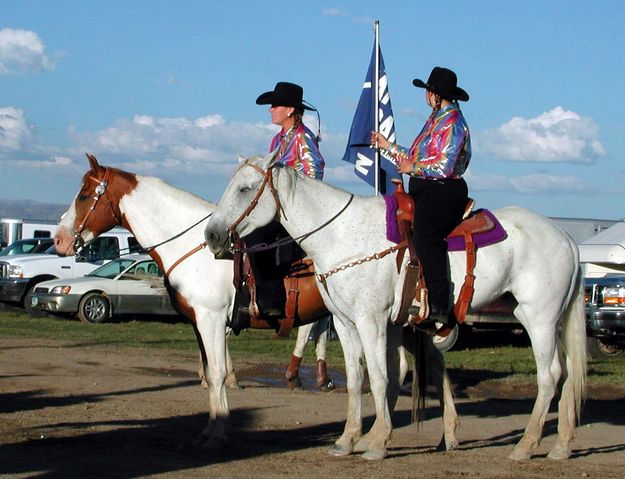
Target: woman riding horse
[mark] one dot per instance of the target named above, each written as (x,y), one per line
(436,161)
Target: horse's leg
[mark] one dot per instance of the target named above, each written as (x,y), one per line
(373,335)
(438,374)
(394,357)
(352,352)
(320,335)
(548,370)
(212,329)
(231,378)
(293,380)
(573,333)
(440,379)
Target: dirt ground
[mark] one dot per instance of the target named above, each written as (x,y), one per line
(69,411)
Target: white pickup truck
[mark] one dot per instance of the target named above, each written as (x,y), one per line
(19,274)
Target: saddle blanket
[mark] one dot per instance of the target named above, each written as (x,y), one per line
(455,243)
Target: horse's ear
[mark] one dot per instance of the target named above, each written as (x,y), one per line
(272,158)
(93,162)
(241,159)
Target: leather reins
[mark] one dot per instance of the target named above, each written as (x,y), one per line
(100,190)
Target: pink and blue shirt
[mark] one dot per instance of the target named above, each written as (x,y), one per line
(298,149)
(443,147)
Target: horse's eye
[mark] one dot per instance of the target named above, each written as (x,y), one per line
(244,189)
(83,197)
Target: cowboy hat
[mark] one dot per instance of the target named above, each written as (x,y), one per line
(284,94)
(444,83)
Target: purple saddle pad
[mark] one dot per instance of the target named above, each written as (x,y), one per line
(497,234)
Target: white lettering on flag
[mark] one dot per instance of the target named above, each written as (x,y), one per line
(363,164)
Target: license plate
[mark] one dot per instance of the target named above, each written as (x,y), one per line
(34,301)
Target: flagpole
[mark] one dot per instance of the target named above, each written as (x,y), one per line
(376,103)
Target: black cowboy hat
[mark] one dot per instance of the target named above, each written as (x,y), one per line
(284,94)
(444,83)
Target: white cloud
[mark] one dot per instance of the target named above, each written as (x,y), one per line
(53,163)
(334,12)
(337,12)
(14,130)
(22,51)
(554,136)
(179,143)
(527,184)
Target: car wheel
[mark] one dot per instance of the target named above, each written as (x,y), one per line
(448,342)
(94,308)
(29,308)
(598,349)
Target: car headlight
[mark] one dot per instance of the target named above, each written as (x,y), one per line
(15,271)
(614,295)
(61,290)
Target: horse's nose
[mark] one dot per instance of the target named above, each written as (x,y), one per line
(214,239)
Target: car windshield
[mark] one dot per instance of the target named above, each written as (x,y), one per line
(112,269)
(25,247)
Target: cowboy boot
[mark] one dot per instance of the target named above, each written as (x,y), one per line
(292,373)
(324,383)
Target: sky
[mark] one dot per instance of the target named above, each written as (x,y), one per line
(168,89)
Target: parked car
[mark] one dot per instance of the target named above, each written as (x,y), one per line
(131,284)
(495,316)
(605,316)
(27,246)
(21,273)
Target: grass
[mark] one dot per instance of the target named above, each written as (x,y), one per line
(514,363)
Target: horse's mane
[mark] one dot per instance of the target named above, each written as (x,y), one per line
(187,195)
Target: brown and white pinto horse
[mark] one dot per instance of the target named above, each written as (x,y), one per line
(199,285)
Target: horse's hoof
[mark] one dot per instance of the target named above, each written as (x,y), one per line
(519,454)
(340,451)
(204,384)
(374,455)
(559,454)
(327,386)
(362,445)
(445,446)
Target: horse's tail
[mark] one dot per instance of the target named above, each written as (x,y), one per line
(419,376)
(573,344)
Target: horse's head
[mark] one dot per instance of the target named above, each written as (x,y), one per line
(249,202)
(95,208)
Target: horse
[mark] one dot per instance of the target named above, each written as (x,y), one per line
(200,286)
(345,236)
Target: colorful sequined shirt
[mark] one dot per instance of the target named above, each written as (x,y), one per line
(298,149)
(443,147)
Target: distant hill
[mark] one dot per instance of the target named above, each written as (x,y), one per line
(31,210)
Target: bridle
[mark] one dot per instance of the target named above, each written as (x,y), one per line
(99,191)
(268,180)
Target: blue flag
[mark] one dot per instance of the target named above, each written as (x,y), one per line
(358,150)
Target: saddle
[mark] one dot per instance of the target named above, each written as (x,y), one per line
(303,300)
(478,228)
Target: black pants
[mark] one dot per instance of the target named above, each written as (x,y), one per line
(439,205)
(272,265)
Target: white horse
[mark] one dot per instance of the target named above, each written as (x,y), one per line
(200,286)
(341,233)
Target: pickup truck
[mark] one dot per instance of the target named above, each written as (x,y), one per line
(605,315)
(20,274)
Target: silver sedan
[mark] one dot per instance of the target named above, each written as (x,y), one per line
(132,284)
